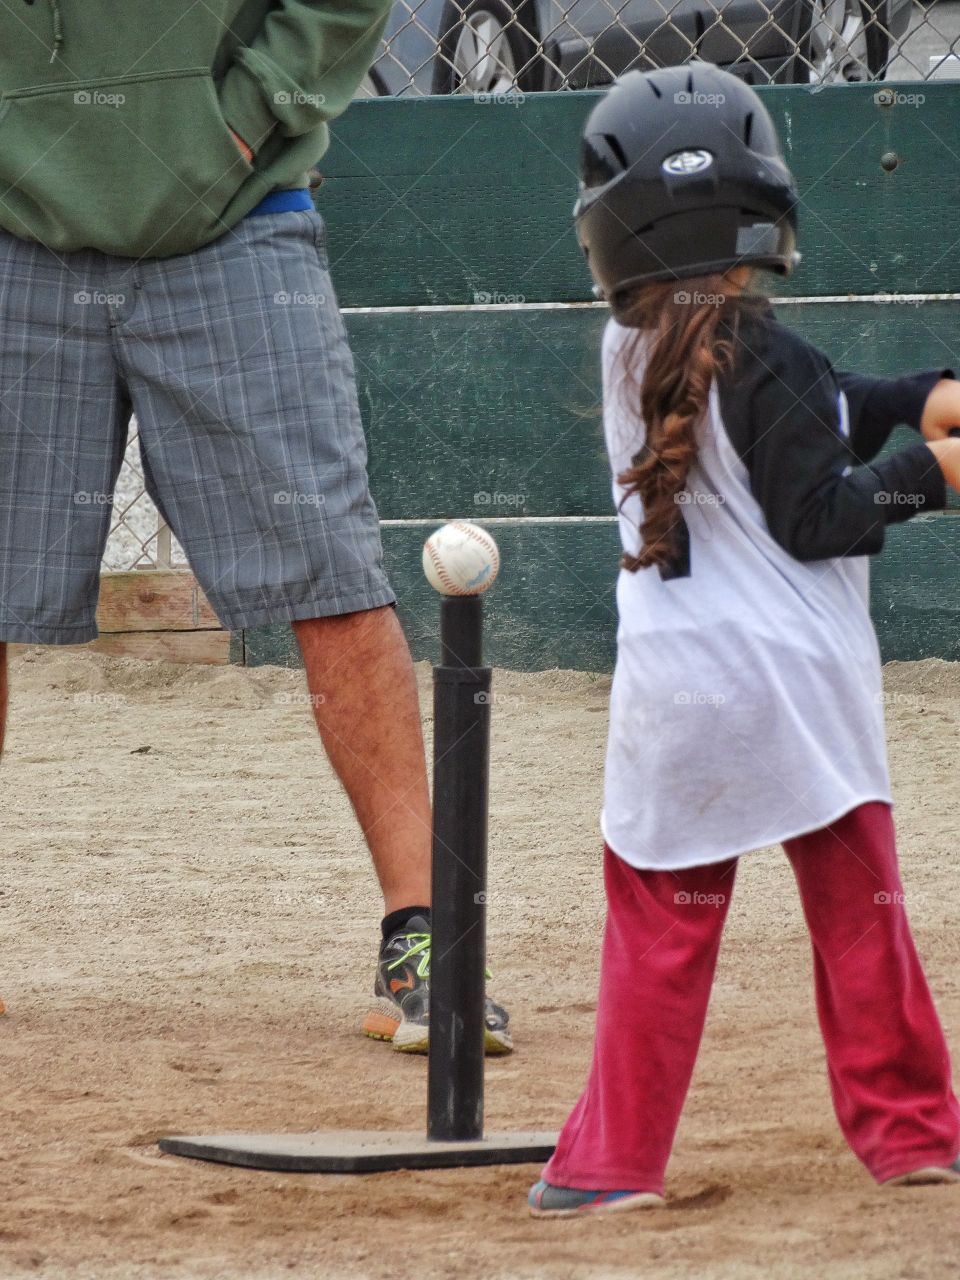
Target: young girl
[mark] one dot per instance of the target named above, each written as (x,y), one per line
(746,707)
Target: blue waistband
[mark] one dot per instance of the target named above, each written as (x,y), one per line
(282,202)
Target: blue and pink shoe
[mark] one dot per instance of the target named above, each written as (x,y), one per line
(547,1201)
(926,1175)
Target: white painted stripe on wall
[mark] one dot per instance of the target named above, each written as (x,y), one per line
(876,299)
(881,299)
(429,522)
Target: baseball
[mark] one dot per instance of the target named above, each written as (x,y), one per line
(460,559)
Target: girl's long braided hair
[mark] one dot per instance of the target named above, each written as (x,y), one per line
(682,341)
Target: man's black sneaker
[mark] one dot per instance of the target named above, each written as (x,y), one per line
(401,1012)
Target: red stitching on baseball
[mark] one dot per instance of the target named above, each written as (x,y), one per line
(442,574)
(481,536)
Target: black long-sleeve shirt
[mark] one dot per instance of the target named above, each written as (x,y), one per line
(808,436)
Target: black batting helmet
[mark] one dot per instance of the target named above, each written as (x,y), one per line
(682,175)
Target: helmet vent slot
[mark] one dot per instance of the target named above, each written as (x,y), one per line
(613,142)
(747,128)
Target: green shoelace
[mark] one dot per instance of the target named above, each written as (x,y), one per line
(421,948)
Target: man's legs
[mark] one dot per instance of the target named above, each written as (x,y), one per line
(3,721)
(364,696)
(253,449)
(3,693)
(64,426)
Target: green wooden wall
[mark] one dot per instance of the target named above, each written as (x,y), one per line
(476,340)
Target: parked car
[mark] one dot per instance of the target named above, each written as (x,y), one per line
(495,46)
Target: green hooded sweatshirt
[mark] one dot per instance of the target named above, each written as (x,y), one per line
(115,118)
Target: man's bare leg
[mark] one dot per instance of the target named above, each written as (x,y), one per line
(3,693)
(360,672)
(3,721)
(361,678)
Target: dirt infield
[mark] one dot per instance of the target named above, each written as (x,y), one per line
(189,924)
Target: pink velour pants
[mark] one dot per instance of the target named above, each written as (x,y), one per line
(889,1065)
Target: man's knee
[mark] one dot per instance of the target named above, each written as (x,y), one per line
(358,615)
(344,622)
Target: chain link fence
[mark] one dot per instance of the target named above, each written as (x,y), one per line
(500,47)
(505,47)
(138,537)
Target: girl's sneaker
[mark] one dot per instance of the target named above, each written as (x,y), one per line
(546,1201)
(928,1174)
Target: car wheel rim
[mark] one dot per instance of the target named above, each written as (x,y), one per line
(838,43)
(483,60)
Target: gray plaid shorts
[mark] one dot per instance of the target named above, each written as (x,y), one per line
(235,361)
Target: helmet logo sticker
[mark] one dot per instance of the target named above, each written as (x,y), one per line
(682,163)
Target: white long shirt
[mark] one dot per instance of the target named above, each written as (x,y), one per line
(747,705)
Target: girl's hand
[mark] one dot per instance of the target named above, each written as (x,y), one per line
(942,410)
(947,454)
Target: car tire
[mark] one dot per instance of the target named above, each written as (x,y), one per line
(371,86)
(858,50)
(472,30)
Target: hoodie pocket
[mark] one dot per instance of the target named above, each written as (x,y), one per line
(139,165)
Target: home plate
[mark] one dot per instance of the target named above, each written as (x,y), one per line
(359,1151)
